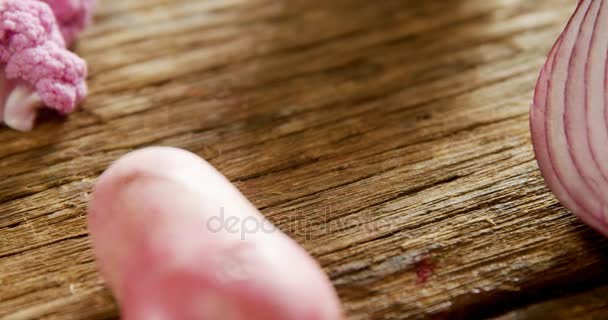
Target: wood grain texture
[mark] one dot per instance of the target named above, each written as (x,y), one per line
(588,305)
(390,138)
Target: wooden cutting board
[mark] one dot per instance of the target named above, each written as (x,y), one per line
(390,138)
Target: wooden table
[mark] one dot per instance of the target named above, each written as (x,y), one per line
(390,138)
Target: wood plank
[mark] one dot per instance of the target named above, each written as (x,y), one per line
(587,305)
(389,138)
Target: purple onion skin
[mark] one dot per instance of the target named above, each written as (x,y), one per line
(569,117)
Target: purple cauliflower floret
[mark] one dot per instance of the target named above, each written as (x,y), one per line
(73,16)
(38,69)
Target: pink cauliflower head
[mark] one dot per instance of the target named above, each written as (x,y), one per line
(73,16)
(38,69)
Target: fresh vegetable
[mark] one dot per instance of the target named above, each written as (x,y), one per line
(37,68)
(73,16)
(175,240)
(569,115)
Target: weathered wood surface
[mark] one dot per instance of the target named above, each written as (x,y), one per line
(590,305)
(390,138)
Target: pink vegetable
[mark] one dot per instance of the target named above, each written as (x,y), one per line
(37,67)
(73,16)
(569,115)
(175,240)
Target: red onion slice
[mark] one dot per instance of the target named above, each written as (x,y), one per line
(569,117)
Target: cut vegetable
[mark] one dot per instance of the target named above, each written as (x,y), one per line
(175,240)
(36,69)
(569,115)
(73,16)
